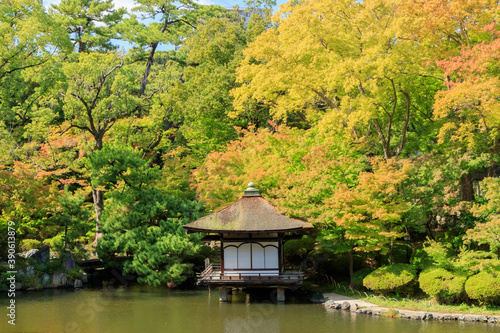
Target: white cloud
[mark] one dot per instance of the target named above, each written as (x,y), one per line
(47,3)
(129,4)
(205,2)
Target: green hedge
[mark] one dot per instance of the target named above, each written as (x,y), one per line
(397,278)
(445,286)
(484,287)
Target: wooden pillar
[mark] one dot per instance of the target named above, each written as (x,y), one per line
(222,255)
(234,295)
(281,266)
(281,294)
(223,294)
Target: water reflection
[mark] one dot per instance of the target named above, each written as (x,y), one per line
(256,322)
(161,310)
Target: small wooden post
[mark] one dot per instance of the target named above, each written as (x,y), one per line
(281,294)
(223,294)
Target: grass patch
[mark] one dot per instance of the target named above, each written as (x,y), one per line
(416,304)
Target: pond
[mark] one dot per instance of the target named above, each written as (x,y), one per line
(142,309)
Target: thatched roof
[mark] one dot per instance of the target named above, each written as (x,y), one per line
(251,213)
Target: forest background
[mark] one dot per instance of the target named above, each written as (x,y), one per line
(377,121)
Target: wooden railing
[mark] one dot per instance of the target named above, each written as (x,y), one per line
(213,275)
(209,269)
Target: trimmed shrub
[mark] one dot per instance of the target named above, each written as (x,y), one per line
(446,287)
(484,287)
(397,278)
(358,276)
(472,262)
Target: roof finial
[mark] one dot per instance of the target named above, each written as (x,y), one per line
(251,191)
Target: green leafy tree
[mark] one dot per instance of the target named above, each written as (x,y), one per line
(89,23)
(469,108)
(172,23)
(259,157)
(434,189)
(31,43)
(169,20)
(201,100)
(487,229)
(95,98)
(352,59)
(368,217)
(28,202)
(72,217)
(141,221)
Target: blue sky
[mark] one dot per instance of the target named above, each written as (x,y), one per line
(130,3)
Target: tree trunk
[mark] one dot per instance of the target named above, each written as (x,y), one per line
(492,169)
(149,62)
(65,236)
(98,198)
(391,256)
(385,142)
(350,259)
(467,187)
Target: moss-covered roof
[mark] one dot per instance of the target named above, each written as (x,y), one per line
(251,213)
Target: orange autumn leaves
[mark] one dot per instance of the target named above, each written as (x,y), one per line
(313,179)
(470,106)
(370,213)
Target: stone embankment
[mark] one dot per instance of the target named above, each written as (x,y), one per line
(335,301)
(42,280)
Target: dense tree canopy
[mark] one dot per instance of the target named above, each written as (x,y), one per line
(376,120)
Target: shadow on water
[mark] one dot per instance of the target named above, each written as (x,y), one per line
(296,296)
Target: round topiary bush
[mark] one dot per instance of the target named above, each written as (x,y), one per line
(484,287)
(397,278)
(445,286)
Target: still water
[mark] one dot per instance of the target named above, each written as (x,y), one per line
(142,309)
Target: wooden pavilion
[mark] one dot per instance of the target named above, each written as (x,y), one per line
(251,233)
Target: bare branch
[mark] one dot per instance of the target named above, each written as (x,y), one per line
(382,138)
(383,108)
(407,120)
(391,117)
(325,99)
(154,92)
(424,75)
(85,128)
(103,81)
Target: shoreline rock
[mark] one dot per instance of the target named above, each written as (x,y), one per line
(336,301)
